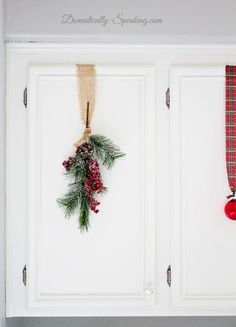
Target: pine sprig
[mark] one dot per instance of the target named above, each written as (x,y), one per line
(76,200)
(105,150)
(78,169)
(85,178)
(69,202)
(84,212)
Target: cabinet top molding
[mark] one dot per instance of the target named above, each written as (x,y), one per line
(30,47)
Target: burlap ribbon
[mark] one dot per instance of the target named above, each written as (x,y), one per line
(86,83)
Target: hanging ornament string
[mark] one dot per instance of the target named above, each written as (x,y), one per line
(83,168)
(230,133)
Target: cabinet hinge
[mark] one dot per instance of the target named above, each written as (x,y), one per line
(168,98)
(25,97)
(168,275)
(24,275)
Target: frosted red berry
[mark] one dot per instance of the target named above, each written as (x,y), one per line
(93,184)
(68,163)
(85,150)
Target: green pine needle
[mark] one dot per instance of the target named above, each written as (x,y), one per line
(105,150)
(84,213)
(69,202)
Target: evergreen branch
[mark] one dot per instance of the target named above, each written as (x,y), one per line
(76,200)
(105,150)
(69,202)
(78,170)
(84,212)
(85,179)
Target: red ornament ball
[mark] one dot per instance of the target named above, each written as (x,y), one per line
(230,209)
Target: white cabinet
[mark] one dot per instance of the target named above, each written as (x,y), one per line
(111,266)
(165,201)
(203,239)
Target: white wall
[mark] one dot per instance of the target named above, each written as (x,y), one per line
(187,21)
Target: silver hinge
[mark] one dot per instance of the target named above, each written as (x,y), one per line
(168,275)
(25,97)
(24,275)
(168,98)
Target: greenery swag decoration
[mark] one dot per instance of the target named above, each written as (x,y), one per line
(83,169)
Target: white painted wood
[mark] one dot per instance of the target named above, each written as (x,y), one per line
(203,239)
(112,266)
(115,259)
(138,68)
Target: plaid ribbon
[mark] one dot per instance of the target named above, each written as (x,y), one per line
(230,127)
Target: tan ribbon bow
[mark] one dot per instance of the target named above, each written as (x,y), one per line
(86,82)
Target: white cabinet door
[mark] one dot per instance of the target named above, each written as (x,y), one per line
(110,269)
(203,239)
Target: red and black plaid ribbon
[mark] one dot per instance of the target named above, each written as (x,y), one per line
(230,121)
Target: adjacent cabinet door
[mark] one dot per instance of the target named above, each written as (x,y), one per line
(165,201)
(203,239)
